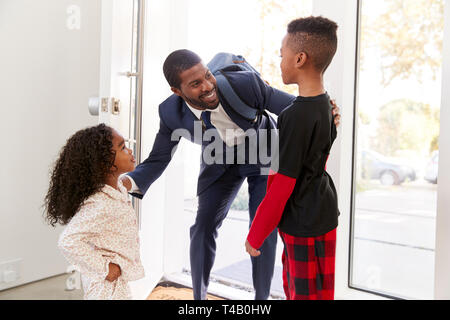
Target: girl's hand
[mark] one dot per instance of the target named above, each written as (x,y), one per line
(114,272)
(251,251)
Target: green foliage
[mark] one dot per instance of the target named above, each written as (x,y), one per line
(434,144)
(364,118)
(241,201)
(362,185)
(406,125)
(274,17)
(409,35)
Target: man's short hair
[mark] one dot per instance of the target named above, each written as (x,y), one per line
(177,62)
(317,37)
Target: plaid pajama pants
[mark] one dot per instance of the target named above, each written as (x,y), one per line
(308,266)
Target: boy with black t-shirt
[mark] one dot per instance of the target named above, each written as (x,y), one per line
(301,198)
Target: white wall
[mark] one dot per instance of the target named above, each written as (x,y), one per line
(48,72)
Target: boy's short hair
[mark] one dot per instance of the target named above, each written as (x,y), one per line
(317,37)
(177,62)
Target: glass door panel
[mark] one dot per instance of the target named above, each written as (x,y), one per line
(396,147)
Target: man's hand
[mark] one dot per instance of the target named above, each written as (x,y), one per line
(114,272)
(126,182)
(336,115)
(251,251)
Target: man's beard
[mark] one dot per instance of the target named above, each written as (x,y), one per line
(201,104)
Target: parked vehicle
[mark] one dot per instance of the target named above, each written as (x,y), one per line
(389,171)
(431,170)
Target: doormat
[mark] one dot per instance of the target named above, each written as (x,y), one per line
(174,291)
(242,272)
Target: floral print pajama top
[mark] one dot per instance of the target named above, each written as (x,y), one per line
(104,230)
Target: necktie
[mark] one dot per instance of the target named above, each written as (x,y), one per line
(206,120)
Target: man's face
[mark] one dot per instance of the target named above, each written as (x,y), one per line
(288,62)
(198,88)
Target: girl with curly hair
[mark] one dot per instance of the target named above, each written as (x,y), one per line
(85,193)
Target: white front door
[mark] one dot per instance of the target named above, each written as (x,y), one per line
(129,95)
(120,100)
(118,68)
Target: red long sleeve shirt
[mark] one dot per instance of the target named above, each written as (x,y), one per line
(269,212)
(268,215)
(306,134)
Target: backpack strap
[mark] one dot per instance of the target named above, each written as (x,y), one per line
(224,60)
(233,99)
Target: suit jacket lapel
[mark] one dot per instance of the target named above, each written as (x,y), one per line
(188,118)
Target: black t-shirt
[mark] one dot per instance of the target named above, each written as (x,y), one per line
(307,132)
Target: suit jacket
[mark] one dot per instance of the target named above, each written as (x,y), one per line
(174,114)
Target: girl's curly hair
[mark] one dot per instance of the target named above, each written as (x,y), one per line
(80,171)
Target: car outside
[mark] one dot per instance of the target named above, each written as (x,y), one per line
(389,171)
(431,170)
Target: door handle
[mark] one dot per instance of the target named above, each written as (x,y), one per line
(115,106)
(130,74)
(96,104)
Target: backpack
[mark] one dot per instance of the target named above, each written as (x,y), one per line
(232,62)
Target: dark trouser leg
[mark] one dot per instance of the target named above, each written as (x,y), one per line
(213,206)
(263,265)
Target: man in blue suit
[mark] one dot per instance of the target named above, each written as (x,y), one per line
(197,102)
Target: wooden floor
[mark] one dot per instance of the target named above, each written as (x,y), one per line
(173,291)
(54,289)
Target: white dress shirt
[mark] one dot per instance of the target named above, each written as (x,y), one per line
(229,131)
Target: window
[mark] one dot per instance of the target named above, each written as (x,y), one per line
(396,147)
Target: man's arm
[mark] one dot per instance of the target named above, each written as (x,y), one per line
(276,100)
(129,184)
(126,182)
(255,92)
(151,168)
(336,114)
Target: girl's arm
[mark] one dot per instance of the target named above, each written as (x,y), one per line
(77,242)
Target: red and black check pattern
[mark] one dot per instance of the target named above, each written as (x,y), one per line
(308,266)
